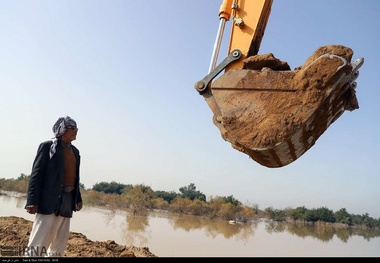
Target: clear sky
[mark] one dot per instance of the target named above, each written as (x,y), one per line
(125,71)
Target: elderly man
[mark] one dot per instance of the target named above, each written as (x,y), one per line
(53,191)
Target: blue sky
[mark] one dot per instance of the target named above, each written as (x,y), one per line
(125,71)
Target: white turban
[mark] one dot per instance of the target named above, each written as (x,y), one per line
(59,128)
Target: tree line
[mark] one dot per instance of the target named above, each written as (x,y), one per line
(141,198)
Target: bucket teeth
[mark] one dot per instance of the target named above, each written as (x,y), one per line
(357,64)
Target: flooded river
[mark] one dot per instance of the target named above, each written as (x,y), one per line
(170,235)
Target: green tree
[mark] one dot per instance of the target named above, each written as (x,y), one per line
(109,188)
(167,196)
(298,214)
(342,216)
(191,192)
(276,214)
(230,199)
(326,215)
(23,177)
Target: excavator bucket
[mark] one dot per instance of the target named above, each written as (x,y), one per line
(274,114)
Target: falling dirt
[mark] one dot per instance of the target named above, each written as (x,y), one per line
(15,231)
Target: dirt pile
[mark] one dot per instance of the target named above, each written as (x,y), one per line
(15,231)
(275,114)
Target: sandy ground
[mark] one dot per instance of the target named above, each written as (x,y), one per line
(15,231)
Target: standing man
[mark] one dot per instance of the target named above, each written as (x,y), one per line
(53,191)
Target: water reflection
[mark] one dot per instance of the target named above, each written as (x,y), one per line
(137,229)
(321,231)
(213,228)
(134,228)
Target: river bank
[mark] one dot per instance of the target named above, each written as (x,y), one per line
(15,233)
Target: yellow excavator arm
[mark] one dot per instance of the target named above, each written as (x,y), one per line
(261,106)
(249,27)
